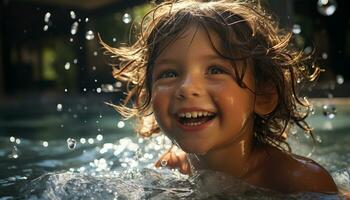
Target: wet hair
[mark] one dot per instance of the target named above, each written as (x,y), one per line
(248,33)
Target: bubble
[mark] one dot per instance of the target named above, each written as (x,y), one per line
(59,107)
(47,17)
(296,29)
(67,66)
(98,90)
(72,14)
(12,139)
(14,153)
(71,39)
(84,89)
(66,90)
(121,124)
(329,111)
(45,27)
(126,18)
(99,137)
(75,61)
(163,163)
(74,28)
(340,79)
(100,116)
(95,53)
(318,139)
(71,143)
(86,19)
(326,7)
(89,35)
(95,80)
(114,39)
(93,68)
(45,143)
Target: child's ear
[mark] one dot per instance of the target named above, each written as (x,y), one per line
(266,99)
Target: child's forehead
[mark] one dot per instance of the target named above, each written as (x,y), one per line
(194,38)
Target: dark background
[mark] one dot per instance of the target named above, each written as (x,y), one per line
(32,59)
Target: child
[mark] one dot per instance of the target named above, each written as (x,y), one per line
(221,81)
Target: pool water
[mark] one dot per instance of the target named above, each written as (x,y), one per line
(105,160)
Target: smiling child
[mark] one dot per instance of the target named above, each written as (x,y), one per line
(221,80)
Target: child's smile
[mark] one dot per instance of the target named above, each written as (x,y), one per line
(195,97)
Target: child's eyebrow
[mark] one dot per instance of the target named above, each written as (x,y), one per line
(208,57)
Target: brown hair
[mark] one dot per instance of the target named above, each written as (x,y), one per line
(241,25)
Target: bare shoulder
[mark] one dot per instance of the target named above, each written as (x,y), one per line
(300,174)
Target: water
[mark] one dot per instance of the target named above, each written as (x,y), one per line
(40,159)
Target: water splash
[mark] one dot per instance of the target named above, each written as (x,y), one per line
(326,7)
(71,143)
(329,111)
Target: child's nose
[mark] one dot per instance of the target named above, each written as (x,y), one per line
(190,86)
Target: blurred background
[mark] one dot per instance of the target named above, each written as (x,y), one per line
(50,56)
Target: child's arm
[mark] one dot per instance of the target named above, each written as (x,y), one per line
(174,160)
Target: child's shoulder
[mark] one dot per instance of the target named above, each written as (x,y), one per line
(292,173)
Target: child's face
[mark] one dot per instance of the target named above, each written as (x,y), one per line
(189,80)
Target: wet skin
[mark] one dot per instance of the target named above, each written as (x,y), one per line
(191,77)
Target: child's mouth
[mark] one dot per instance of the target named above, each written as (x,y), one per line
(195,118)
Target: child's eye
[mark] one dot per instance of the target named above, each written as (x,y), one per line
(216,70)
(167,74)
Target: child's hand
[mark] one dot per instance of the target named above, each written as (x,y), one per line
(174,160)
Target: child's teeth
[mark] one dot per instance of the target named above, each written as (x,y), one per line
(195,114)
(188,115)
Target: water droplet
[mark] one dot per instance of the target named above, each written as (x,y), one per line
(296,29)
(75,61)
(118,84)
(95,80)
(324,55)
(62,125)
(89,35)
(45,27)
(18,141)
(72,14)
(71,39)
(126,18)
(99,137)
(47,17)
(12,139)
(326,7)
(91,141)
(86,19)
(114,39)
(71,143)
(82,140)
(98,90)
(121,124)
(340,79)
(74,28)
(84,89)
(329,111)
(318,139)
(14,153)
(67,66)
(293,130)
(93,68)
(308,50)
(66,90)
(95,53)
(59,107)
(45,144)
(163,163)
